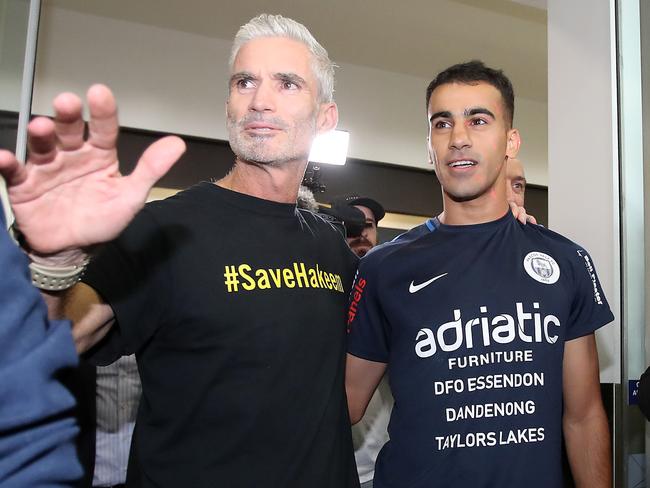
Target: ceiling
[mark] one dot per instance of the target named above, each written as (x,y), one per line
(416,37)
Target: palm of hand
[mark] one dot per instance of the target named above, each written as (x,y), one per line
(76,200)
(70,193)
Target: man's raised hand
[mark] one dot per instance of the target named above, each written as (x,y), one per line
(70,194)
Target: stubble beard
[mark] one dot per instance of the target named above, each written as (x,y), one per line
(263,149)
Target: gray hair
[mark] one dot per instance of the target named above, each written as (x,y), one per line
(266,25)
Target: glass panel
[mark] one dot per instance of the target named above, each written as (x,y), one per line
(18,31)
(632,238)
(14,17)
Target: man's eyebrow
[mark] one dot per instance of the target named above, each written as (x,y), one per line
(292,77)
(445,114)
(478,111)
(468,112)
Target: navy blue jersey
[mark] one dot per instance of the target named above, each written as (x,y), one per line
(472,322)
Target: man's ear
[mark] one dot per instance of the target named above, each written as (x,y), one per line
(432,156)
(513,143)
(328,117)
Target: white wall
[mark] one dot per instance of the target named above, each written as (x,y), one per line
(14,15)
(174,81)
(583,148)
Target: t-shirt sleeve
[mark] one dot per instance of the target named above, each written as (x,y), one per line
(132,275)
(368,329)
(589,309)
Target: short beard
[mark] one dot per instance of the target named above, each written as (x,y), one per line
(254,150)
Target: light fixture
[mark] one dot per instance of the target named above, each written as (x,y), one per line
(330,147)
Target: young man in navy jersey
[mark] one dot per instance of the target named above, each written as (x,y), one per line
(487,325)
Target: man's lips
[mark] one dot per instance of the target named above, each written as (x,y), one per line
(261,127)
(464,163)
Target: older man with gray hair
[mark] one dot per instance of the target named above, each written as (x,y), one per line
(231,298)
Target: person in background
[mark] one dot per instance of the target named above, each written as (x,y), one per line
(515,181)
(117,398)
(37,426)
(364,237)
(644,393)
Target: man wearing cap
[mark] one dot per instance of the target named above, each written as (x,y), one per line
(373,212)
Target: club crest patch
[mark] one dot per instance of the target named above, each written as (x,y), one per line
(542,267)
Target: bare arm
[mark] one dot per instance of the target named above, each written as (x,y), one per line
(586,431)
(91,317)
(361,380)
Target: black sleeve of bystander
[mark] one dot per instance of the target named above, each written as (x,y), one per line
(644,393)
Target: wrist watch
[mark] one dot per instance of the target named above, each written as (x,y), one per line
(47,277)
(56,278)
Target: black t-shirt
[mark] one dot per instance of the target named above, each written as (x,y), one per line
(235,309)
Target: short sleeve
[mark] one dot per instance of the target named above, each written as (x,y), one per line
(368,328)
(132,275)
(589,309)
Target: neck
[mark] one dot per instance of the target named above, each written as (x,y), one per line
(275,183)
(485,208)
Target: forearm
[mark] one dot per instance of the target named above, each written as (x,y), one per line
(54,302)
(357,405)
(361,380)
(91,317)
(589,449)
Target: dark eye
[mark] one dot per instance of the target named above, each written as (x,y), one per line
(478,121)
(245,83)
(442,124)
(289,85)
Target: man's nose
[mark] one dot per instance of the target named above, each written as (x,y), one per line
(459,137)
(263,99)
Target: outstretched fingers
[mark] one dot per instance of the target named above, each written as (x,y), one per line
(103,125)
(68,121)
(11,170)
(155,162)
(41,141)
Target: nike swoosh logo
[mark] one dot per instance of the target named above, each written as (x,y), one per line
(413,288)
